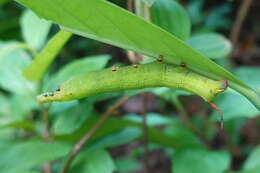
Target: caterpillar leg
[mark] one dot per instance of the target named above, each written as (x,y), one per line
(219,113)
(225,84)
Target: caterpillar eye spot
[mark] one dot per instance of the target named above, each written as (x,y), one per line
(58,89)
(135,65)
(45,95)
(51,94)
(160,59)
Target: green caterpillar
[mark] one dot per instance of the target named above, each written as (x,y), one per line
(156,74)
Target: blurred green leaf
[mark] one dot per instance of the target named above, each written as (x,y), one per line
(217,18)
(126,164)
(116,139)
(9,46)
(184,136)
(195,10)
(5,107)
(71,119)
(21,99)
(19,124)
(202,161)
(11,78)
(115,125)
(153,119)
(13,116)
(21,157)
(212,45)
(60,107)
(169,93)
(77,67)
(151,41)
(172,17)
(42,61)
(253,161)
(22,105)
(251,75)
(34,29)
(97,161)
(233,128)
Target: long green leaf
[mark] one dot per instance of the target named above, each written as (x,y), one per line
(200,160)
(43,60)
(103,21)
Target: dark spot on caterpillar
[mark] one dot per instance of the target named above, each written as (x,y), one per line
(45,95)
(58,89)
(51,94)
(160,59)
(183,64)
(114,68)
(135,65)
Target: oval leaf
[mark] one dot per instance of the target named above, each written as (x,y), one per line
(211,45)
(172,17)
(34,29)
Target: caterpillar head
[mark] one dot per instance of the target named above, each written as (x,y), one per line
(51,96)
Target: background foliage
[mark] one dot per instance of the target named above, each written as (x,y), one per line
(183,134)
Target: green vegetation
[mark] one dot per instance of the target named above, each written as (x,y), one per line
(54,50)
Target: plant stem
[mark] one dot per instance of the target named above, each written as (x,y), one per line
(181,110)
(130,5)
(145,132)
(47,167)
(81,143)
(242,12)
(142,10)
(186,120)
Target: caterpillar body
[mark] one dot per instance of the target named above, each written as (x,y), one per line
(156,74)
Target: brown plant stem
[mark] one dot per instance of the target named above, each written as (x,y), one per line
(130,5)
(186,119)
(240,18)
(81,143)
(145,132)
(46,136)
